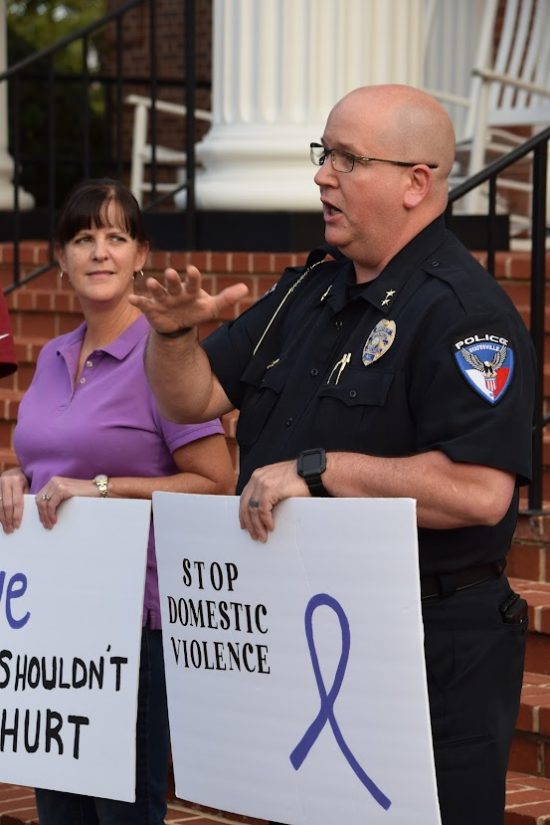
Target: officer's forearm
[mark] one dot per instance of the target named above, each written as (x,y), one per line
(182,380)
(448,494)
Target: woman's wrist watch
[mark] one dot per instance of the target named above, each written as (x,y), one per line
(310,465)
(102,483)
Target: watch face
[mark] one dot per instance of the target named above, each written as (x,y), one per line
(311,463)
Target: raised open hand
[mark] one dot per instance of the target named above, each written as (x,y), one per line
(178,304)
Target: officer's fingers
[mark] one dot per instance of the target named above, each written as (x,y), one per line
(267,523)
(250,517)
(193,280)
(228,297)
(154,290)
(260,519)
(172,282)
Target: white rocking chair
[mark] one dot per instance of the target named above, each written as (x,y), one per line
(141,150)
(510,87)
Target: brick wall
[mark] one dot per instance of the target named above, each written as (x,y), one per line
(136,60)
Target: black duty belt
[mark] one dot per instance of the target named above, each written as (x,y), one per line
(445,584)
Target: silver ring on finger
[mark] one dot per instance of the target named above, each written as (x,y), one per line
(254,503)
(46,496)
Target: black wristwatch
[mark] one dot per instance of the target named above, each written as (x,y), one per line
(310,465)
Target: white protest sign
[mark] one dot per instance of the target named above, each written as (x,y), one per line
(71,602)
(295,669)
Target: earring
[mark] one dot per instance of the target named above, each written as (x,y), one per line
(138,274)
(61,273)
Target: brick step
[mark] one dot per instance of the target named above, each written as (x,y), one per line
(7,459)
(530,750)
(537,656)
(527,561)
(17,807)
(527,799)
(527,803)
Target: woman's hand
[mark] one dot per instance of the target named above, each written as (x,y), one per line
(13,486)
(57,490)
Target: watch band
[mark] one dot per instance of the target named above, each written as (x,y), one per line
(310,465)
(176,333)
(317,488)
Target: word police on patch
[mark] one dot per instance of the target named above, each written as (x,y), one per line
(487,363)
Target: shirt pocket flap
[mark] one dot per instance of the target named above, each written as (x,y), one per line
(360,388)
(265,385)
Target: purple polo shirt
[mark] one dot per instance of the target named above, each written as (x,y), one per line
(8,363)
(107,422)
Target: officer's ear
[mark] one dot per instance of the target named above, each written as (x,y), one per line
(419,184)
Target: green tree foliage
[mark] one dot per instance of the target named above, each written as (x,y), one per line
(36,24)
(33,25)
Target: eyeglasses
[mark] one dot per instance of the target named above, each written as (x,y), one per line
(345,161)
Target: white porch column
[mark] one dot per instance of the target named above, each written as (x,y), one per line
(6,163)
(278,68)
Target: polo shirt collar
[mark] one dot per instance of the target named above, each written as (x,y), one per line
(119,348)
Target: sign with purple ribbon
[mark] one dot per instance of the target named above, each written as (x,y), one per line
(295,670)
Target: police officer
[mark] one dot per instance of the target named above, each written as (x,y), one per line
(397,367)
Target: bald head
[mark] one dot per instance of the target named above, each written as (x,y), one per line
(374,212)
(409,124)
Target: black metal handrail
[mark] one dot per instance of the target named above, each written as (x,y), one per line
(41,65)
(538,146)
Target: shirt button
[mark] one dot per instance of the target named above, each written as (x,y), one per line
(82,381)
(353,393)
(338,323)
(435,263)
(89,363)
(314,372)
(288,422)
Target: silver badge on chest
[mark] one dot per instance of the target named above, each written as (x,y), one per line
(379,341)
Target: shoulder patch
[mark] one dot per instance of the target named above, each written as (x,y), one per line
(487,363)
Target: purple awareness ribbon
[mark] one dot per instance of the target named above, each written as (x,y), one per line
(326,711)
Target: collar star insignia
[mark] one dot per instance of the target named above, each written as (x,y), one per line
(387,300)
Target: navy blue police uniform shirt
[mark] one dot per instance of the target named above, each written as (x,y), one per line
(431,355)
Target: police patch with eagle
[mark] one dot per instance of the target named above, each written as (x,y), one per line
(487,363)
